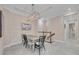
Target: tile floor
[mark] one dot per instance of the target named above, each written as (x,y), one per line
(56,48)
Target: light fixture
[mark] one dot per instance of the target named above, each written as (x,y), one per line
(69,11)
(34,14)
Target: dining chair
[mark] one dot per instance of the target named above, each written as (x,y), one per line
(50,35)
(40,43)
(25,41)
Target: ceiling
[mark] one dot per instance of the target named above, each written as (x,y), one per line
(45,10)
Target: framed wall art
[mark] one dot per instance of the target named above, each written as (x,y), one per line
(26,27)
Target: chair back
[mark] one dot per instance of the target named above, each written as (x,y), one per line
(42,39)
(25,38)
(50,35)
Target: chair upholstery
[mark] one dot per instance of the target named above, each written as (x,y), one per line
(40,43)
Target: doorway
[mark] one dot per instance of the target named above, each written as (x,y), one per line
(72,31)
(70,27)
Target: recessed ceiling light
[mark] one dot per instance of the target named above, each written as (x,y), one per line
(69,9)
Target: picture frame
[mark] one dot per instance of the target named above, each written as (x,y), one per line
(26,26)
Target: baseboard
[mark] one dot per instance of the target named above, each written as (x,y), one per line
(59,40)
(21,42)
(12,44)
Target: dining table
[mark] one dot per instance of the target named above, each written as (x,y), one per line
(43,33)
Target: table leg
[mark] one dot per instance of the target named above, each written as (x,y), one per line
(50,38)
(39,50)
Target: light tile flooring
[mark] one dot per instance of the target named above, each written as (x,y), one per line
(56,48)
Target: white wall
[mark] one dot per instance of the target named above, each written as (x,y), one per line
(12,27)
(78,28)
(2,38)
(56,25)
(1,46)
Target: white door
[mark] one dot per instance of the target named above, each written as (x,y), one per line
(70,31)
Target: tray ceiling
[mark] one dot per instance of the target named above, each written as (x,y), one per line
(45,10)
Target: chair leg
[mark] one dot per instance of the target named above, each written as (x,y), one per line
(25,44)
(39,50)
(34,47)
(31,46)
(44,47)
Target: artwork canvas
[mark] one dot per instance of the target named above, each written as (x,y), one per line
(26,26)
